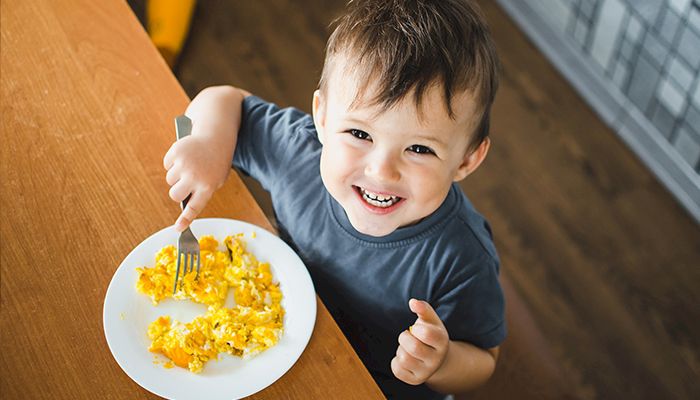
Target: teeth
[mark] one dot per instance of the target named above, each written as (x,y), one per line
(378,200)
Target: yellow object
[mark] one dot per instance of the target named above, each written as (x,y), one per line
(251,326)
(168,22)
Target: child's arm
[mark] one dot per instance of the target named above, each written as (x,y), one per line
(200,163)
(427,355)
(465,367)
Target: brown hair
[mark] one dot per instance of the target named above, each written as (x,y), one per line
(409,45)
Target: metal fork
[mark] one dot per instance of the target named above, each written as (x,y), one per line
(187,244)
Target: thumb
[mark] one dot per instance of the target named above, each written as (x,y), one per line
(195,205)
(425,311)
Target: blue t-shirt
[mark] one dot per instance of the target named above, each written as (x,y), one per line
(447,259)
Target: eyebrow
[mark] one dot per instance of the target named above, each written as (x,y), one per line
(430,139)
(423,137)
(356,121)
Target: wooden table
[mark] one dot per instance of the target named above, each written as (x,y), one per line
(87,111)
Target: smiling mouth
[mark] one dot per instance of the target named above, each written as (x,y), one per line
(376,199)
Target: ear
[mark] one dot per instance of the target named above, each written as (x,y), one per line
(472,160)
(318,108)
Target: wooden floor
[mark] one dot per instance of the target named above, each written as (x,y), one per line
(601,266)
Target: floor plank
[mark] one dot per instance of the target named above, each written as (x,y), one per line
(602,254)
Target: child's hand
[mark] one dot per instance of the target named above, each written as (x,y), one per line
(422,348)
(198,167)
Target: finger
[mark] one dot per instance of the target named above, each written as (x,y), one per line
(408,361)
(424,311)
(173,175)
(430,335)
(195,206)
(402,373)
(169,158)
(180,190)
(414,346)
(181,224)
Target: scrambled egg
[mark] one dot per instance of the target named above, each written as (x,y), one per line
(252,325)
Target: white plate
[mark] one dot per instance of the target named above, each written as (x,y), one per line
(127,314)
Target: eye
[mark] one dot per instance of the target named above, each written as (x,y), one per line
(420,149)
(362,135)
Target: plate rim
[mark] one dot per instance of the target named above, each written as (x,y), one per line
(302,343)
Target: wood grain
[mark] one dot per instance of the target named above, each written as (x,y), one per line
(600,264)
(87,108)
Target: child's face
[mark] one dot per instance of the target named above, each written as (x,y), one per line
(389,169)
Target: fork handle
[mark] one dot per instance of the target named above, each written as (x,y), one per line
(183,203)
(183,128)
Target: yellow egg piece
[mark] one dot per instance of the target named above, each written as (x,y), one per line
(253,325)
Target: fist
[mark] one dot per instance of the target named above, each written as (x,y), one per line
(422,348)
(196,168)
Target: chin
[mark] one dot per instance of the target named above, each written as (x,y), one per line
(372,230)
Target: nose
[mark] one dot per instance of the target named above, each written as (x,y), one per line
(383,167)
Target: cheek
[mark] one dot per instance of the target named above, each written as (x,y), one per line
(343,155)
(339,160)
(429,184)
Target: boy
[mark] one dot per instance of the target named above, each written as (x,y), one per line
(365,189)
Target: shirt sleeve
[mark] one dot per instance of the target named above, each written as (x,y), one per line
(473,308)
(263,139)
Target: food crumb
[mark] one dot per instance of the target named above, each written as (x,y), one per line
(122,316)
